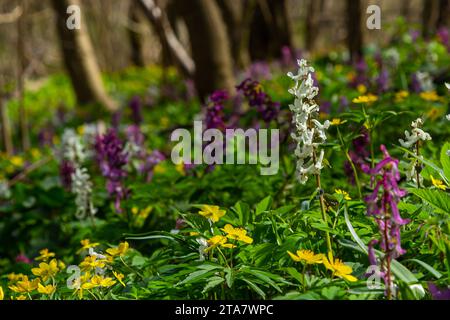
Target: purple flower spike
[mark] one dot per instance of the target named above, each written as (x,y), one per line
(112,159)
(382,204)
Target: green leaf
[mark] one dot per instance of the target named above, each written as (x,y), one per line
(229,277)
(437,198)
(445,160)
(263,205)
(243,211)
(264,276)
(432,270)
(195,277)
(213,282)
(255,288)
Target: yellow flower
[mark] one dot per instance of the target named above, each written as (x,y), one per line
(193,233)
(438,183)
(45,255)
(86,245)
(91,262)
(35,153)
(61,265)
(369,98)
(80,130)
(119,277)
(430,96)
(343,193)
(239,234)
(307,256)
(25,285)
(180,168)
(164,122)
(16,161)
(362,89)
(218,241)
(100,281)
(46,271)
(337,121)
(401,95)
(21,297)
(12,277)
(2,294)
(159,169)
(120,250)
(213,213)
(48,289)
(339,269)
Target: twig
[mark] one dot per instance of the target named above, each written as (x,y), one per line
(28,170)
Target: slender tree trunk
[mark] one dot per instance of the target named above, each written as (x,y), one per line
(5,126)
(311,22)
(354,29)
(271,29)
(210,46)
(429,16)
(233,15)
(167,37)
(135,37)
(443,14)
(21,63)
(80,61)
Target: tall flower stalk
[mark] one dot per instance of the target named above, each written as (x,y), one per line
(412,141)
(382,204)
(309,133)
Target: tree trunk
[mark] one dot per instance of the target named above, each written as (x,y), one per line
(233,15)
(80,61)
(271,29)
(210,46)
(354,29)
(6,127)
(311,22)
(429,16)
(167,37)
(21,64)
(444,12)
(135,37)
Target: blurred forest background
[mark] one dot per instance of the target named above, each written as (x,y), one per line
(206,40)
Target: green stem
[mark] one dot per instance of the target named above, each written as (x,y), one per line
(355,172)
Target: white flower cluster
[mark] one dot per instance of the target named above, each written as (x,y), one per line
(310,133)
(416,134)
(412,138)
(73,151)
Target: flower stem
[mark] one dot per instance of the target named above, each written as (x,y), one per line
(417,165)
(355,172)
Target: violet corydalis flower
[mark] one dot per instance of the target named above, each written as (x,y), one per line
(258,99)
(112,159)
(382,204)
(214,110)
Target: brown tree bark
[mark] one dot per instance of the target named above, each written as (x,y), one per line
(233,16)
(80,60)
(443,14)
(210,46)
(21,65)
(169,41)
(429,16)
(6,127)
(354,29)
(271,29)
(134,19)
(311,24)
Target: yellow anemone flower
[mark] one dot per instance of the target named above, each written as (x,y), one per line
(369,98)
(91,262)
(339,269)
(17,161)
(25,285)
(337,121)
(119,277)
(343,193)
(2,294)
(86,245)
(46,270)
(401,95)
(218,240)
(45,254)
(21,297)
(239,234)
(362,89)
(48,289)
(438,183)
(213,213)
(306,256)
(430,96)
(100,281)
(120,250)
(13,277)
